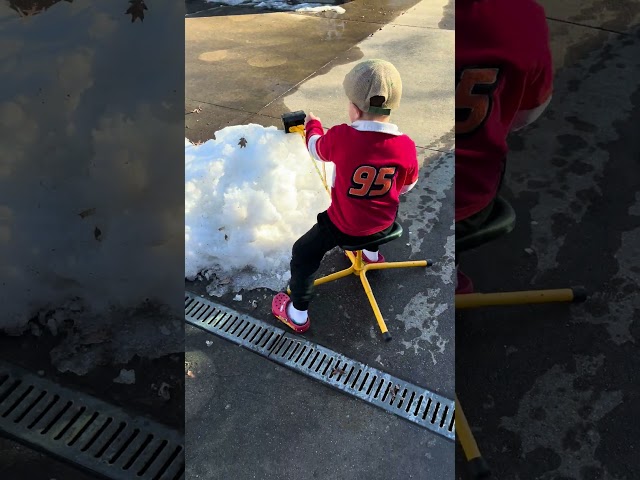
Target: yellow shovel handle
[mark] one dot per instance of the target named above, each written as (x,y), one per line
(323,176)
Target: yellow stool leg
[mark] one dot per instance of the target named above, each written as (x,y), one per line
(359,268)
(385,265)
(334,276)
(374,305)
(329,278)
(477,464)
(474,300)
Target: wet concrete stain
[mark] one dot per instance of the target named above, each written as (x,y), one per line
(353,55)
(421,317)
(571,444)
(445,143)
(620,19)
(448,21)
(570,143)
(581,125)
(575,176)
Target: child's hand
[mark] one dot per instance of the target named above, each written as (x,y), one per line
(310,116)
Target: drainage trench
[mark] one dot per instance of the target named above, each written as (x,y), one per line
(85,431)
(411,402)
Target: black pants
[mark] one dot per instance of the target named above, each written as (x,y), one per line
(309,250)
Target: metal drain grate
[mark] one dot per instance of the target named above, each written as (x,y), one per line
(378,388)
(86,431)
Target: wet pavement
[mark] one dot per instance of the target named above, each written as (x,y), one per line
(571,371)
(279,62)
(242,73)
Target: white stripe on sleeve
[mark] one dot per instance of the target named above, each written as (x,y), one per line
(527,117)
(407,188)
(312,147)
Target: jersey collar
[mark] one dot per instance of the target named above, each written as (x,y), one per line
(372,126)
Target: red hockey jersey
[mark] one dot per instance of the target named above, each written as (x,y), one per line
(374,164)
(503,72)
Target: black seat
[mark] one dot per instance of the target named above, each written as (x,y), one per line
(500,222)
(396,232)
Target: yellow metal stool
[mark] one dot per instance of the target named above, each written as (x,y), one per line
(360,268)
(500,222)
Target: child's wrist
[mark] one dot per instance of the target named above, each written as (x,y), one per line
(313,125)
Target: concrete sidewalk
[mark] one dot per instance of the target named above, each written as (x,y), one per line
(551,390)
(264,65)
(248,418)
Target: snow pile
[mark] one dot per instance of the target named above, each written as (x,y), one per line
(283,5)
(228,2)
(315,8)
(249,195)
(90,204)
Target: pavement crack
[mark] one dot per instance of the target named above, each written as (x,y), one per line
(592,27)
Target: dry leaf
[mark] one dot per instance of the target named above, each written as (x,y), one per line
(87,212)
(190,374)
(136,10)
(394,392)
(338,370)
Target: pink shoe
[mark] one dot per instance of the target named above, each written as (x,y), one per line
(279,310)
(464,285)
(367,260)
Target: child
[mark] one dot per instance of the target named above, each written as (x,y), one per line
(504,81)
(374,164)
